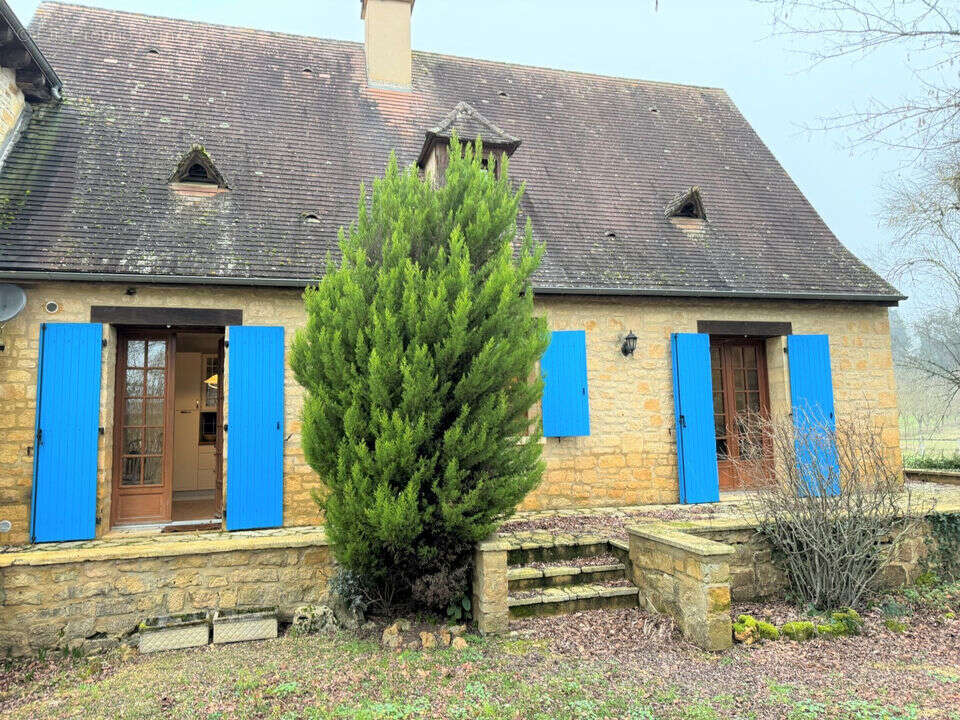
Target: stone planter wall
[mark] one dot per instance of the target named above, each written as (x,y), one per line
(96,594)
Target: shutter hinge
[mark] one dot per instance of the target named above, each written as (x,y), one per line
(225,427)
(99,520)
(784,349)
(683,421)
(39,437)
(103,430)
(226,343)
(103,342)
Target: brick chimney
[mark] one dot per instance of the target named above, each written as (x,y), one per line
(387,42)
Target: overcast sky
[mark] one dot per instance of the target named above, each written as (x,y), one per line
(725,44)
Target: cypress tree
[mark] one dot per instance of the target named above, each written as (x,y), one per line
(418,363)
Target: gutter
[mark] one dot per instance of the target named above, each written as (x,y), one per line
(32,275)
(743,294)
(53,80)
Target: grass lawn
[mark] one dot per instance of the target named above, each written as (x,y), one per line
(615,664)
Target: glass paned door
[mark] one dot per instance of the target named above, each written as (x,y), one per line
(740,402)
(141,437)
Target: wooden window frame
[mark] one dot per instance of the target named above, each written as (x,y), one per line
(165,487)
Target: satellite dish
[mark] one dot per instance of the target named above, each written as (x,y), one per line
(12,300)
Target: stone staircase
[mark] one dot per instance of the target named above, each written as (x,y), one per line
(554,573)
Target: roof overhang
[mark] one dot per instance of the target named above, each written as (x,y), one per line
(35,76)
(134,278)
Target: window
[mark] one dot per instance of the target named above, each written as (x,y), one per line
(197,168)
(687,204)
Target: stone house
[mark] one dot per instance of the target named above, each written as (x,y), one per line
(172,187)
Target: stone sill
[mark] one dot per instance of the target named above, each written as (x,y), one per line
(157,546)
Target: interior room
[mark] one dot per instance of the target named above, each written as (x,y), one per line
(196,408)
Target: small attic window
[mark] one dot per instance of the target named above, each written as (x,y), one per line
(196,167)
(687,204)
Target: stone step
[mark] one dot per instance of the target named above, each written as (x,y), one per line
(530,578)
(553,547)
(558,600)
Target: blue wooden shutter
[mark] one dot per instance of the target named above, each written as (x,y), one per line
(64,503)
(693,408)
(566,404)
(811,399)
(255,377)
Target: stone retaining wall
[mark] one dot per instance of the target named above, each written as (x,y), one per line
(942,477)
(96,596)
(686,577)
(692,570)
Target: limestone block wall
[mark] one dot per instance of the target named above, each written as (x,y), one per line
(692,570)
(686,577)
(11,102)
(18,391)
(98,595)
(630,456)
(628,459)
(490,587)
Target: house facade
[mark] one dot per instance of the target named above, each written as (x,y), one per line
(170,190)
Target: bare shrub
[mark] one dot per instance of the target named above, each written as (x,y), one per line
(835,508)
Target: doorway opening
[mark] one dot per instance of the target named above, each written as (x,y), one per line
(741,401)
(168,435)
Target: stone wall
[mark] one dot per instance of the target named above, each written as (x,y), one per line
(686,577)
(11,102)
(629,458)
(98,594)
(18,372)
(490,587)
(692,570)
(941,477)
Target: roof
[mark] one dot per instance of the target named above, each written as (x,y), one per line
(292,126)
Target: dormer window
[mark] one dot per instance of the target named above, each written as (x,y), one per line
(469,126)
(687,204)
(197,170)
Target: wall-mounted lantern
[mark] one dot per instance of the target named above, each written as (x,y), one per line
(629,344)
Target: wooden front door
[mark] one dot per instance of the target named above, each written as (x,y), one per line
(143,437)
(740,400)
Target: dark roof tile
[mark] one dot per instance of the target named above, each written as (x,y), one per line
(86,189)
